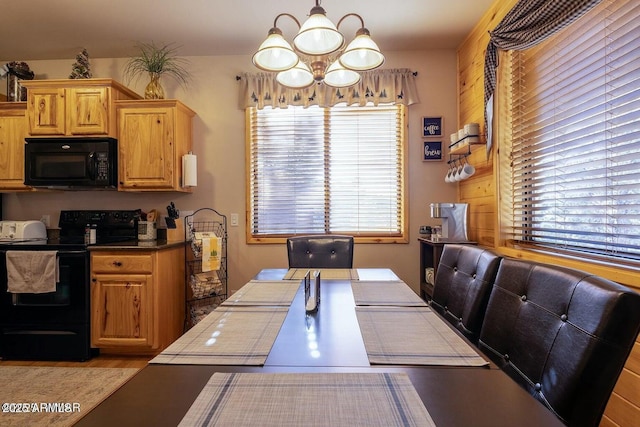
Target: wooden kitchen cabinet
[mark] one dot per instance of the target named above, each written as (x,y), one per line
(74,107)
(13,130)
(153,135)
(137,299)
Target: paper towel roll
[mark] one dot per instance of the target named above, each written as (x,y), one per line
(189,170)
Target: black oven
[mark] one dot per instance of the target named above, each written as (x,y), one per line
(87,163)
(56,325)
(48,326)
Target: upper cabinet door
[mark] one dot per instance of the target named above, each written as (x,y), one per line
(87,111)
(46,111)
(146,144)
(13,131)
(153,135)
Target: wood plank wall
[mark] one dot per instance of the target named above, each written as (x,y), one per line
(480,192)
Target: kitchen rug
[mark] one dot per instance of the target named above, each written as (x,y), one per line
(55,396)
(308,399)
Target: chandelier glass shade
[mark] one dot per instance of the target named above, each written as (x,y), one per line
(318,53)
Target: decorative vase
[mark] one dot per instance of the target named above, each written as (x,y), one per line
(154,89)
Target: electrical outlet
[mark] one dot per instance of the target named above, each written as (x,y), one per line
(46,220)
(234,219)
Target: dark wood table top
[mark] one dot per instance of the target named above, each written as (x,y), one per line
(329,341)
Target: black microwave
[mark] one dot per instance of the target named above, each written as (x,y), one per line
(80,163)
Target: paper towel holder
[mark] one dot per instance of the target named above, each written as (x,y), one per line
(189,170)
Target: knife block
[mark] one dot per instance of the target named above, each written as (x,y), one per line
(174,234)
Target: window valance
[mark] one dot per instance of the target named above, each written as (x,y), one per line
(395,86)
(527,24)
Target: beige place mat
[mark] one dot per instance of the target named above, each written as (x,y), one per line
(228,336)
(412,336)
(325,273)
(390,292)
(316,399)
(265,292)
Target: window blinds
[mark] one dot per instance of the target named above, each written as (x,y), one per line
(333,170)
(575,112)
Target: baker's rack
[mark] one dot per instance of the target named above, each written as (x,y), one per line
(204,290)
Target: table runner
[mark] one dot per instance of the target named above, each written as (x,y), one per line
(412,336)
(391,292)
(312,399)
(228,336)
(265,292)
(325,273)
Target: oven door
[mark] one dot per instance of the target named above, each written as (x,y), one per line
(49,326)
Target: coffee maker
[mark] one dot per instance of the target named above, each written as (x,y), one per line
(454,219)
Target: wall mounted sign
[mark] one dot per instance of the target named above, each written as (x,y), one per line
(432,150)
(431,126)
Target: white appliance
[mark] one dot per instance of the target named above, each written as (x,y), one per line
(22,231)
(454,219)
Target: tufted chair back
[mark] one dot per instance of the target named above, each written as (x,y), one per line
(463,281)
(323,251)
(562,334)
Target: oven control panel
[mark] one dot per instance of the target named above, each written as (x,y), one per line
(101,218)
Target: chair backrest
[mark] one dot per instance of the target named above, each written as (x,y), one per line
(562,334)
(462,285)
(321,251)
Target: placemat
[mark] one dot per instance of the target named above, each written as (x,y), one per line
(265,292)
(391,292)
(412,336)
(228,336)
(325,273)
(312,399)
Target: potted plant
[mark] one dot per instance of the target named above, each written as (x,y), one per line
(157,61)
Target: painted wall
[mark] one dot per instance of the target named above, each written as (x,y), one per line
(219,142)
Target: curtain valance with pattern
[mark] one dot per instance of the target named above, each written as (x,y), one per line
(395,86)
(528,23)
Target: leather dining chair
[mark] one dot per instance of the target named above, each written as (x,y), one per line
(320,251)
(462,285)
(562,334)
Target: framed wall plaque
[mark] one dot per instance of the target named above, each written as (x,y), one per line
(431,126)
(432,150)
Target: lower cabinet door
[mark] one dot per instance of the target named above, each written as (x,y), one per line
(122,308)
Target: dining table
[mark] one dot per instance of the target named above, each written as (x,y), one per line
(328,354)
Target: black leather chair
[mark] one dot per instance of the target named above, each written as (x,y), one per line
(562,334)
(321,251)
(462,285)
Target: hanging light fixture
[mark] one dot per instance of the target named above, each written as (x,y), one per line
(318,53)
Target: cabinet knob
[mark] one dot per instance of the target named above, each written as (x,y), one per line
(117,263)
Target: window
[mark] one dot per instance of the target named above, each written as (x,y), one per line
(574,112)
(338,170)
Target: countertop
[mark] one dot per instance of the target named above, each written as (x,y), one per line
(137,245)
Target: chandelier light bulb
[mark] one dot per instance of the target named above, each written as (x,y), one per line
(318,35)
(362,54)
(275,53)
(297,77)
(338,76)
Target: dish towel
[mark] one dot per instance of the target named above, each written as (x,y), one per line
(32,272)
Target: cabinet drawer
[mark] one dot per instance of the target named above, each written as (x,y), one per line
(142,263)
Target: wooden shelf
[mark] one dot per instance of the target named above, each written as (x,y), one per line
(464,144)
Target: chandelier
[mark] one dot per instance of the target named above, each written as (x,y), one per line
(318,53)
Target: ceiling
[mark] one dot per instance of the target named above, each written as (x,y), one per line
(46,29)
